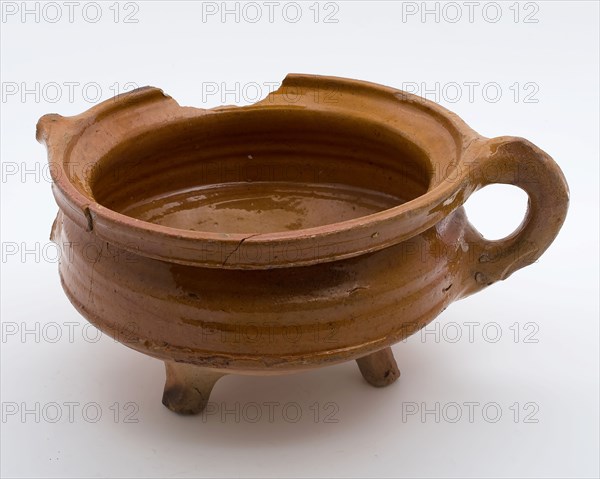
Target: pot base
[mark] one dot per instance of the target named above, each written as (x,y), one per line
(188,387)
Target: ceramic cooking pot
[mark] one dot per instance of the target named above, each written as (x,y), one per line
(319,225)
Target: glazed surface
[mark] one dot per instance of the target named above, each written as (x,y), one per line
(264,320)
(121,156)
(259,207)
(264,172)
(285,234)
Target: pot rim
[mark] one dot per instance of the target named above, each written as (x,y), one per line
(318,244)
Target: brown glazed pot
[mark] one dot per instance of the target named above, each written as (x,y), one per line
(319,225)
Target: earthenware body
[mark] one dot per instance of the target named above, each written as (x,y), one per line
(322,224)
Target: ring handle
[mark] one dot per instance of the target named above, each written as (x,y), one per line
(516,161)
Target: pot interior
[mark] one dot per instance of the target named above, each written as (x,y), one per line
(261,170)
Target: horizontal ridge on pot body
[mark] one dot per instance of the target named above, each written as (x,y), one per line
(277,319)
(276,301)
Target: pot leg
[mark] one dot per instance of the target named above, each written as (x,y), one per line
(188,387)
(380,368)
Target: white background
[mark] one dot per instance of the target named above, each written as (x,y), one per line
(555,301)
